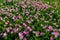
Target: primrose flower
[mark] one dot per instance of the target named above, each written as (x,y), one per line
(8,29)
(26,33)
(50,27)
(16,9)
(15,29)
(20,35)
(24,39)
(51,38)
(14,18)
(0,18)
(7,12)
(55,33)
(42,33)
(24,24)
(19,16)
(29,28)
(48,30)
(29,21)
(46,6)
(44,27)
(36,33)
(4,34)
(22,3)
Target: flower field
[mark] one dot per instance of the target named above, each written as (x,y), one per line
(29,19)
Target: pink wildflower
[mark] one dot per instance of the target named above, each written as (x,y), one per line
(26,33)
(24,24)
(55,33)
(24,39)
(29,28)
(20,35)
(44,27)
(42,33)
(4,34)
(51,38)
(36,33)
(29,21)
(0,18)
(16,9)
(48,30)
(46,6)
(19,16)
(8,29)
(14,18)
(50,27)
(22,3)
(15,29)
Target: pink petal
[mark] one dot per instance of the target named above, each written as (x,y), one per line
(8,29)
(51,38)
(24,24)
(20,35)
(55,34)
(29,28)
(50,27)
(24,39)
